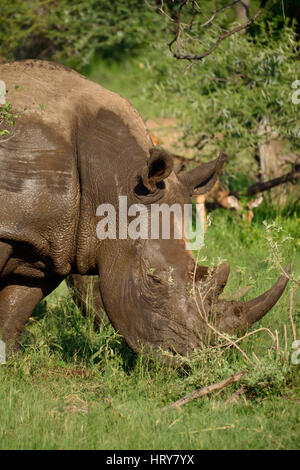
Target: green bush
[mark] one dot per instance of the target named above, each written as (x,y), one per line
(222,99)
(72,32)
(225,97)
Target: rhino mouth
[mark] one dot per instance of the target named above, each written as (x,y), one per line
(193,314)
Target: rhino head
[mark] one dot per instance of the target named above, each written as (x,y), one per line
(152,290)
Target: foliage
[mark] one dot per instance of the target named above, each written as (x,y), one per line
(223,100)
(72,32)
(280,12)
(78,386)
(231,100)
(229,94)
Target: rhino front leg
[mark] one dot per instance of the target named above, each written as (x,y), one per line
(85,291)
(17,302)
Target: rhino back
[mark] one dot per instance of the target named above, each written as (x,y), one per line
(59,95)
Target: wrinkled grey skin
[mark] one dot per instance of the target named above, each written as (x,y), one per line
(76,145)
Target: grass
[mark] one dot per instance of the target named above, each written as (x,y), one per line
(122,78)
(75,386)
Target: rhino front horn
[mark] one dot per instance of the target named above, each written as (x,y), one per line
(255,309)
(236,316)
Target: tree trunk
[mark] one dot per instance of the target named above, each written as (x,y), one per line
(242,12)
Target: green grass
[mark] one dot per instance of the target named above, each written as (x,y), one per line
(131,79)
(55,393)
(75,386)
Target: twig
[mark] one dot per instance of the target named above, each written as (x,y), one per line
(275,256)
(291,314)
(255,357)
(285,338)
(200,392)
(203,314)
(217,332)
(277,345)
(252,333)
(239,293)
(266,185)
(285,345)
(218,11)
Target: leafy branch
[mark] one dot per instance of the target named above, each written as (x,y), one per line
(189,31)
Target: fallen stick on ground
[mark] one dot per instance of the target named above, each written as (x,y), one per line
(200,392)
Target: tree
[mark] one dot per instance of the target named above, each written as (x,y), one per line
(198,27)
(243,12)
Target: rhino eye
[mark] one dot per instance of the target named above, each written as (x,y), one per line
(155,278)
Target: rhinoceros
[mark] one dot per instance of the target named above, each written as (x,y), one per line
(74,146)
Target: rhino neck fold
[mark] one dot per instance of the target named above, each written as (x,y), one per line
(109,153)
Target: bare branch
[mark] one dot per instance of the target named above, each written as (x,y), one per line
(291,314)
(266,185)
(218,11)
(175,44)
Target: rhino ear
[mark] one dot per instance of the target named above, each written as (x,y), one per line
(202,178)
(159,166)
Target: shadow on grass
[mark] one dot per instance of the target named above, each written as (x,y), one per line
(65,331)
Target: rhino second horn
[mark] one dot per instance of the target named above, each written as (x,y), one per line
(255,309)
(215,284)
